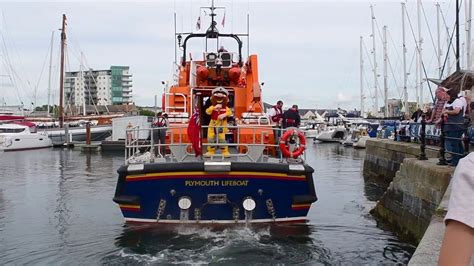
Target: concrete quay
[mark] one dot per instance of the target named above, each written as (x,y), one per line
(416,199)
(383,157)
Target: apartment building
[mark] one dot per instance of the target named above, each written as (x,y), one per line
(99,87)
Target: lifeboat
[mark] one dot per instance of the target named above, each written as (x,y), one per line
(234,176)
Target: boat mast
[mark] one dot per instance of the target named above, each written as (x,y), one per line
(248,34)
(405,76)
(175,45)
(385,76)
(61,76)
(361,78)
(376,103)
(50,66)
(420,59)
(438,26)
(83,82)
(448,43)
(458,65)
(468,9)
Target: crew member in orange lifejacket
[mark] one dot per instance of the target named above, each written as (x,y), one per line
(219,112)
(291,117)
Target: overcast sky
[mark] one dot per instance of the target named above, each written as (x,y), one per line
(308,50)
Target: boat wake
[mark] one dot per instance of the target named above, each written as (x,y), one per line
(188,245)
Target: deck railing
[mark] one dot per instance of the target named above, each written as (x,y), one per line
(257,147)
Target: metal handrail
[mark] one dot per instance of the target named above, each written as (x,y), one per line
(133,146)
(442,137)
(174,107)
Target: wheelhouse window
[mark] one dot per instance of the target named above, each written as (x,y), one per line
(11,130)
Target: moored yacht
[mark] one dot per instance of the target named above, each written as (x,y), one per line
(22,136)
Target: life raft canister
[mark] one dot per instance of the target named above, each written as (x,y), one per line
(202,73)
(285,150)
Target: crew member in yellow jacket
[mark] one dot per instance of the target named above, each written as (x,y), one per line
(219,112)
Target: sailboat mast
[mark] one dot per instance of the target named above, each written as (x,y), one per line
(61,76)
(385,75)
(458,64)
(438,27)
(420,58)
(83,82)
(361,78)
(376,103)
(468,9)
(405,91)
(50,66)
(448,44)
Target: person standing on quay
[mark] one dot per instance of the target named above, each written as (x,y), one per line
(454,127)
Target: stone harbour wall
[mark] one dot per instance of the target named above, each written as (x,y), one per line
(383,157)
(413,196)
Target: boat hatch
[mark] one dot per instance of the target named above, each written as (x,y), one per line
(217,198)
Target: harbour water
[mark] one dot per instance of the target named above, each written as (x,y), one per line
(56,208)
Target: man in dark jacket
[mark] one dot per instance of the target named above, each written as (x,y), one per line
(291,117)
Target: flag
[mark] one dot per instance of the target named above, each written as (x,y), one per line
(223,21)
(198,23)
(194,132)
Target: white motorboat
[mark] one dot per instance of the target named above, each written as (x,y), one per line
(332,134)
(360,142)
(357,136)
(22,136)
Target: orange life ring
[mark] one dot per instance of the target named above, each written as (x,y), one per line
(286,152)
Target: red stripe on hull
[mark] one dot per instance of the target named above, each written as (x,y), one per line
(130,209)
(300,208)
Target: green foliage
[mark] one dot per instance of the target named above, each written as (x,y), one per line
(146,112)
(52,109)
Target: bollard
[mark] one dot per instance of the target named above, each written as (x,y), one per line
(422,155)
(442,151)
(396,132)
(467,123)
(88,133)
(66,134)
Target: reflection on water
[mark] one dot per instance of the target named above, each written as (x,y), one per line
(56,208)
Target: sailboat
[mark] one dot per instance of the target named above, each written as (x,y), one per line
(73,131)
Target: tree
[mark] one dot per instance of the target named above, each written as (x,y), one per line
(145,112)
